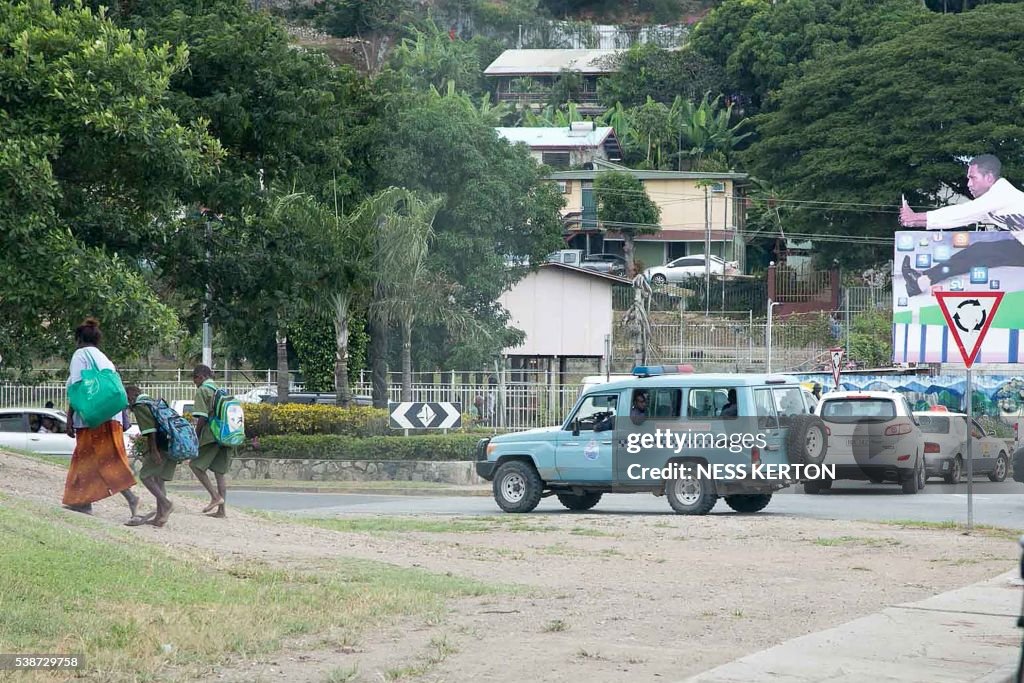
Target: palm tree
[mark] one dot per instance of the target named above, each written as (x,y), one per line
(705,128)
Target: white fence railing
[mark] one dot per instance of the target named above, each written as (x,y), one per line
(36,396)
(511,407)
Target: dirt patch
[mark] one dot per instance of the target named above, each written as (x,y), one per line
(602,598)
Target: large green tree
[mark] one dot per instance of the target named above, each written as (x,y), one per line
(498,206)
(286,118)
(761,43)
(92,164)
(845,140)
(647,71)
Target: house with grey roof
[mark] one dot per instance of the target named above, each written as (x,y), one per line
(565,147)
(525,77)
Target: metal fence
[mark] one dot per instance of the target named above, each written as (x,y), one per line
(12,395)
(508,406)
(511,406)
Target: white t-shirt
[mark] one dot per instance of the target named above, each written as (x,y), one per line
(79,362)
(1003,205)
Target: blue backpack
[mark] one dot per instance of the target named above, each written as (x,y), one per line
(227,419)
(182,441)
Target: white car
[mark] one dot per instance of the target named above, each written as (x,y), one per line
(688,267)
(945,447)
(872,435)
(19,428)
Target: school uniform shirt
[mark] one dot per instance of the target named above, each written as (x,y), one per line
(80,362)
(1002,204)
(147,423)
(203,407)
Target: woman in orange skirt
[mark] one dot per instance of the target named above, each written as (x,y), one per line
(99,465)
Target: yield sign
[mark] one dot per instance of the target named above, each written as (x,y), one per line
(968,316)
(837,364)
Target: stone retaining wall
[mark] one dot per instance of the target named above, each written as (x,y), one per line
(242,468)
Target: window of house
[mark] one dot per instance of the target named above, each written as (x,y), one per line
(555,159)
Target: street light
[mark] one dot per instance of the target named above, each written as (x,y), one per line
(768,333)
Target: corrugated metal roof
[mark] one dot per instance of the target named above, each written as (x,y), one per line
(559,137)
(523,62)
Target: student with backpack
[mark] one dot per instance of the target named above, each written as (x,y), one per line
(169,439)
(220,427)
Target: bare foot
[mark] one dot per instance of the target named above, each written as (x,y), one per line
(216,502)
(133,504)
(221,513)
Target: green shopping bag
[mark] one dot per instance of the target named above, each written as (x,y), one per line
(98,396)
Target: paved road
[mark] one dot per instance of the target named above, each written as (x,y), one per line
(995,504)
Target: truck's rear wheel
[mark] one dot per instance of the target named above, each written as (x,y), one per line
(517,487)
(691,496)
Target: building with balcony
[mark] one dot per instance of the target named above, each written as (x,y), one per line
(696,209)
(525,77)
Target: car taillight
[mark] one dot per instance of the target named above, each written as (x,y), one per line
(755,456)
(898,429)
(931,447)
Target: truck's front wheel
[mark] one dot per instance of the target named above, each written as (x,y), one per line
(517,487)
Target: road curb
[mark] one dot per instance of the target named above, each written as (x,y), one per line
(363,491)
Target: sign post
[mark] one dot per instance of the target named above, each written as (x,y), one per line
(426,415)
(968,316)
(837,364)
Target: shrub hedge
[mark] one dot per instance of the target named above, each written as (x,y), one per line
(339,447)
(264,419)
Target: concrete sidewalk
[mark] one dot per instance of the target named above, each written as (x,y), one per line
(968,634)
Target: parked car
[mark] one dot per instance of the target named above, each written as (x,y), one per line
(570,257)
(19,428)
(945,447)
(605,263)
(689,266)
(321,398)
(873,435)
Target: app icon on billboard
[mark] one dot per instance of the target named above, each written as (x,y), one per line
(905,243)
(923,261)
(942,253)
(993,284)
(979,275)
(961,239)
(937,236)
(923,242)
(956,285)
(902,301)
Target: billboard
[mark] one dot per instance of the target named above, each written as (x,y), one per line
(946,261)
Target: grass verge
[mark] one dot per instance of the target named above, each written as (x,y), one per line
(62,461)
(134,611)
(439,525)
(988,530)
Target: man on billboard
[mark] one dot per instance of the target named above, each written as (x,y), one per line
(995,201)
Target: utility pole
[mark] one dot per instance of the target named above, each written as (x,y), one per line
(707,254)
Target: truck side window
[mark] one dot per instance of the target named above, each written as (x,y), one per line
(764,405)
(664,403)
(707,402)
(594,410)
